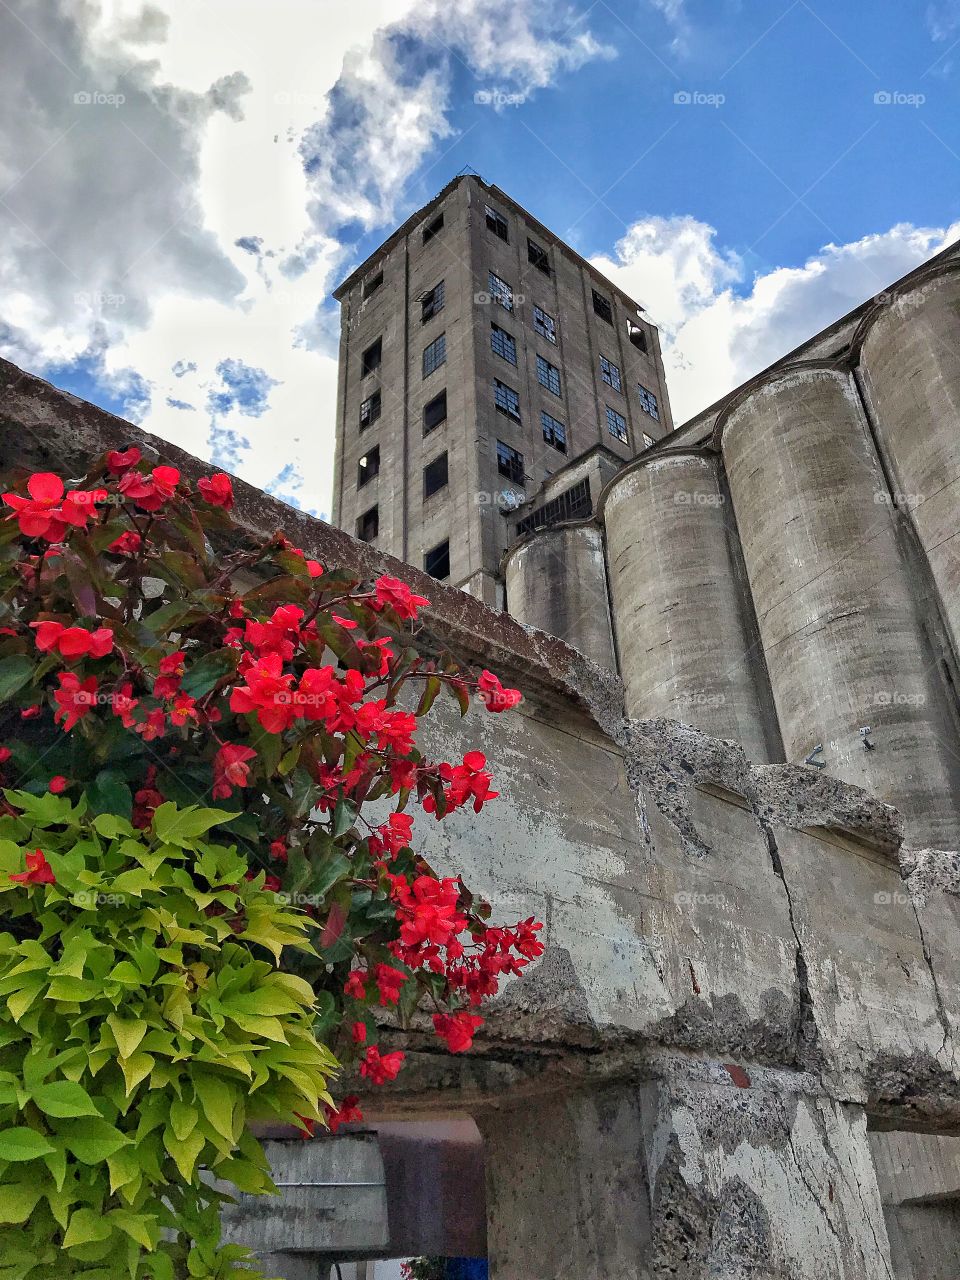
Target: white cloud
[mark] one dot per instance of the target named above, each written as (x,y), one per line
(718,328)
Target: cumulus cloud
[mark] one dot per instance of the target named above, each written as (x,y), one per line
(718,327)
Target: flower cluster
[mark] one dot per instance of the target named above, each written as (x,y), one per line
(139,671)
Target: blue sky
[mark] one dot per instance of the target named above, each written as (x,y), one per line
(186,182)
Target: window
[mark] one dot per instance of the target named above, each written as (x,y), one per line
(573,504)
(648,402)
(368,526)
(370,359)
(637,335)
(510,463)
(602,307)
(434,355)
(538,256)
(435,475)
(431,302)
(372,284)
(610,373)
(500,291)
(554,432)
(368,466)
(433,228)
(617,424)
(435,411)
(648,441)
(370,409)
(506,399)
(545,325)
(497,223)
(502,344)
(437,561)
(548,375)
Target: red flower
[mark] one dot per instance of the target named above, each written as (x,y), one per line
(379,1068)
(145,802)
(152,491)
(457,1029)
(428,910)
(154,726)
(278,850)
(217,490)
(31,713)
(128,544)
(494,695)
(39,516)
(118,462)
(389,982)
(355,985)
(272,883)
(39,871)
(73,642)
(268,693)
(314,568)
(184,708)
(57,784)
(392,593)
(358,1032)
(171,670)
(347,1113)
(74,699)
(230,769)
(5,754)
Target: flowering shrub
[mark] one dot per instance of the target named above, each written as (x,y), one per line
(164,673)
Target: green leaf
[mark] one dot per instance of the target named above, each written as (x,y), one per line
(18,1200)
(218,1102)
(344,816)
(64,1099)
(201,677)
(110,794)
(86,1227)
(183,1119)
(181,826)
(15,671)
(91,1141)
(23,1143)
(127,1033)
(431,688)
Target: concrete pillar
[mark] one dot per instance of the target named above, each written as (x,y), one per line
(919,1179)
(685,648)
(718,1178)
(910,360)
(841,634)
(556,581)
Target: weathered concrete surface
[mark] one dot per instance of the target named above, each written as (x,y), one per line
(332,1200)
(556,580)
(841,631)
(686,647)
(919,1180)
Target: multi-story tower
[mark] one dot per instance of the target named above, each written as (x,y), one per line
(480,356)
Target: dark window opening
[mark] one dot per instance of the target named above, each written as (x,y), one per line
(637,335)
(433,228)
(499,291)
(368,526)
(372,284)
(545,325)
(370,409)
(435,411)
(610,373)
(648,402)
(368,466)
(617,425)
(503,344)
(506,399)
(548,375)
(510,463)
(435,475)
(554,432)
(602,307)
(371,358)
(434,355)
(538,256)
(497,223)
(431,302)
(437,561)
(574,504)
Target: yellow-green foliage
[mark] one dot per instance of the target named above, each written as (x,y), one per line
(143,1023)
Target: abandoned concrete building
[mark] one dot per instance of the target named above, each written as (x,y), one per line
(731,790)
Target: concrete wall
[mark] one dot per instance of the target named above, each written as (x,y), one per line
(557,580)
(685,643)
